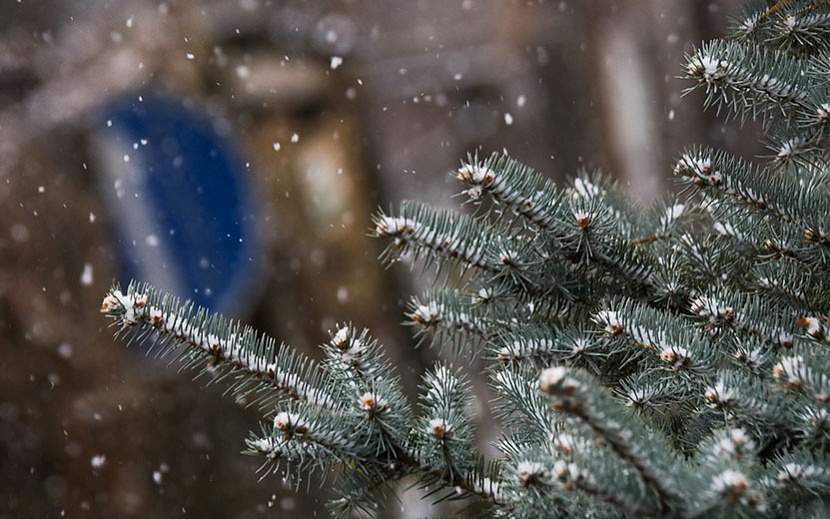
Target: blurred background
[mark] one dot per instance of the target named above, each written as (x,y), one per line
(233,151)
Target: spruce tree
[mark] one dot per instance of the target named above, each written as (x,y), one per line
(669,361)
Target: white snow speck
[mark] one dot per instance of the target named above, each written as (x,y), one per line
(98,461)
(508,119)
(342,294)
(671,115)
(65,350)
(295,138)
(152,240)
(86,275)
(288,504)
(126,158)
(118,185)
(129,21)
(521,100)
(336,61)
(91,217)
(158,475)
(243,71)
(41,189)
(19,232)
(277,146)
(190,55)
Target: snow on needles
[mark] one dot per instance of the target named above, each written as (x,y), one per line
(139,308)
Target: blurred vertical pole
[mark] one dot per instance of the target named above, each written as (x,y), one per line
(623,80)
(635,53)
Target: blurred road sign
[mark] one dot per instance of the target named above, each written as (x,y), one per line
(183,211)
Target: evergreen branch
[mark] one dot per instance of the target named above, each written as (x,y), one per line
(701,266)
(599,473)
(654,393)
(450,312)
(805,373)
(799,477)
(571,395)
(749,80)
(445,433)
(356,363)
(593,236)
(731,491)
(529,489)
(798,28)
(570,475)
(581,226)
(747,314)
(536,477)
(817,328)
(732,177)
(755,357)
(522,408)
(432,234)
(802,150)
(671,279)
(789,245)
(309,438)
(444,448)
(667,337)
(667,218)
(446,237)
(750,24)
(515,186)
(726,484)
(732,444)
(752,403)
(791,281)
(803,30)
(360,497)
(539,346)
(813,426)
(533,277)
(195,336)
